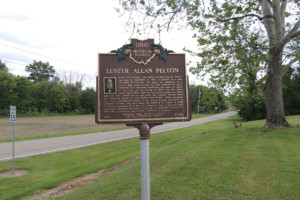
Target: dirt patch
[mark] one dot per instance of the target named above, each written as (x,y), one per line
(71,185)
(8,174)
(39,126)
(199,134)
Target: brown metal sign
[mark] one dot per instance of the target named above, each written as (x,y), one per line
(142,82)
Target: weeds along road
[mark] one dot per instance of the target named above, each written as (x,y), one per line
(49,145)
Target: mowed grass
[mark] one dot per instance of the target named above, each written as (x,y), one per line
(207,161)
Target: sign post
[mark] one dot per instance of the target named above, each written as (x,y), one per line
(13,116)
(145,170)
(144,131)
(143,85)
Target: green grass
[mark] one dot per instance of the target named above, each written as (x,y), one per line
(223,163)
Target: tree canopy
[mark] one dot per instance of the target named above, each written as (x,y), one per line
(3,66)
(40,71)
(238,40)
(38,94)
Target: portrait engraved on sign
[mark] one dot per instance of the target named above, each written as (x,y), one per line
(110,85)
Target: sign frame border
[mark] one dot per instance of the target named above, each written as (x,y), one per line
(98,120)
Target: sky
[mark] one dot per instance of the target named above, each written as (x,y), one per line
(69,34)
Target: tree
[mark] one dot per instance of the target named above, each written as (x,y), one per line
(40,71)
(250,101)
(72,94)
(7,94)
(57,101)
(3,67)
(226,30)
(291,91)
(24,92)
(41,96)
(210,99)
(87,99)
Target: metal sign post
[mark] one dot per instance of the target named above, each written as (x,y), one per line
(13,116)
(145,170)
(144,129)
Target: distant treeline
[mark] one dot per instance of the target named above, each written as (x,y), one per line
(46,96)
(55,96)
(45,91)
(207,100)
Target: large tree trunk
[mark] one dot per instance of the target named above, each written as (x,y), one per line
(275,110)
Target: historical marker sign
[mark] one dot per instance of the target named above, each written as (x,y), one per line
(142,82)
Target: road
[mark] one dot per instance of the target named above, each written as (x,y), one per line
(49,145)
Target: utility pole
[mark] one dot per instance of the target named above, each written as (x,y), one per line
(199,100)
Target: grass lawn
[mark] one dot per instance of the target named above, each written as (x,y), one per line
(223,163)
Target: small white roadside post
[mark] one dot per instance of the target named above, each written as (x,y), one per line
(13,116)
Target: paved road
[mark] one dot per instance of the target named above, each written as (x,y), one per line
(42,146)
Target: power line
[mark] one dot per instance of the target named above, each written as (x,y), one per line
(58,59)
(13,59)
(23,64)
(14,62)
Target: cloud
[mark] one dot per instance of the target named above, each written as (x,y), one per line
(16,17)
(23,42)
(16,57)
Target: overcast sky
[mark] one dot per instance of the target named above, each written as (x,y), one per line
(68,34)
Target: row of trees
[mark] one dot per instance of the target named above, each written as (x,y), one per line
(291,91)
(250,99)
(43,92)
(207,100)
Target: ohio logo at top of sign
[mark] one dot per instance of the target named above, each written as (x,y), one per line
(142,51)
